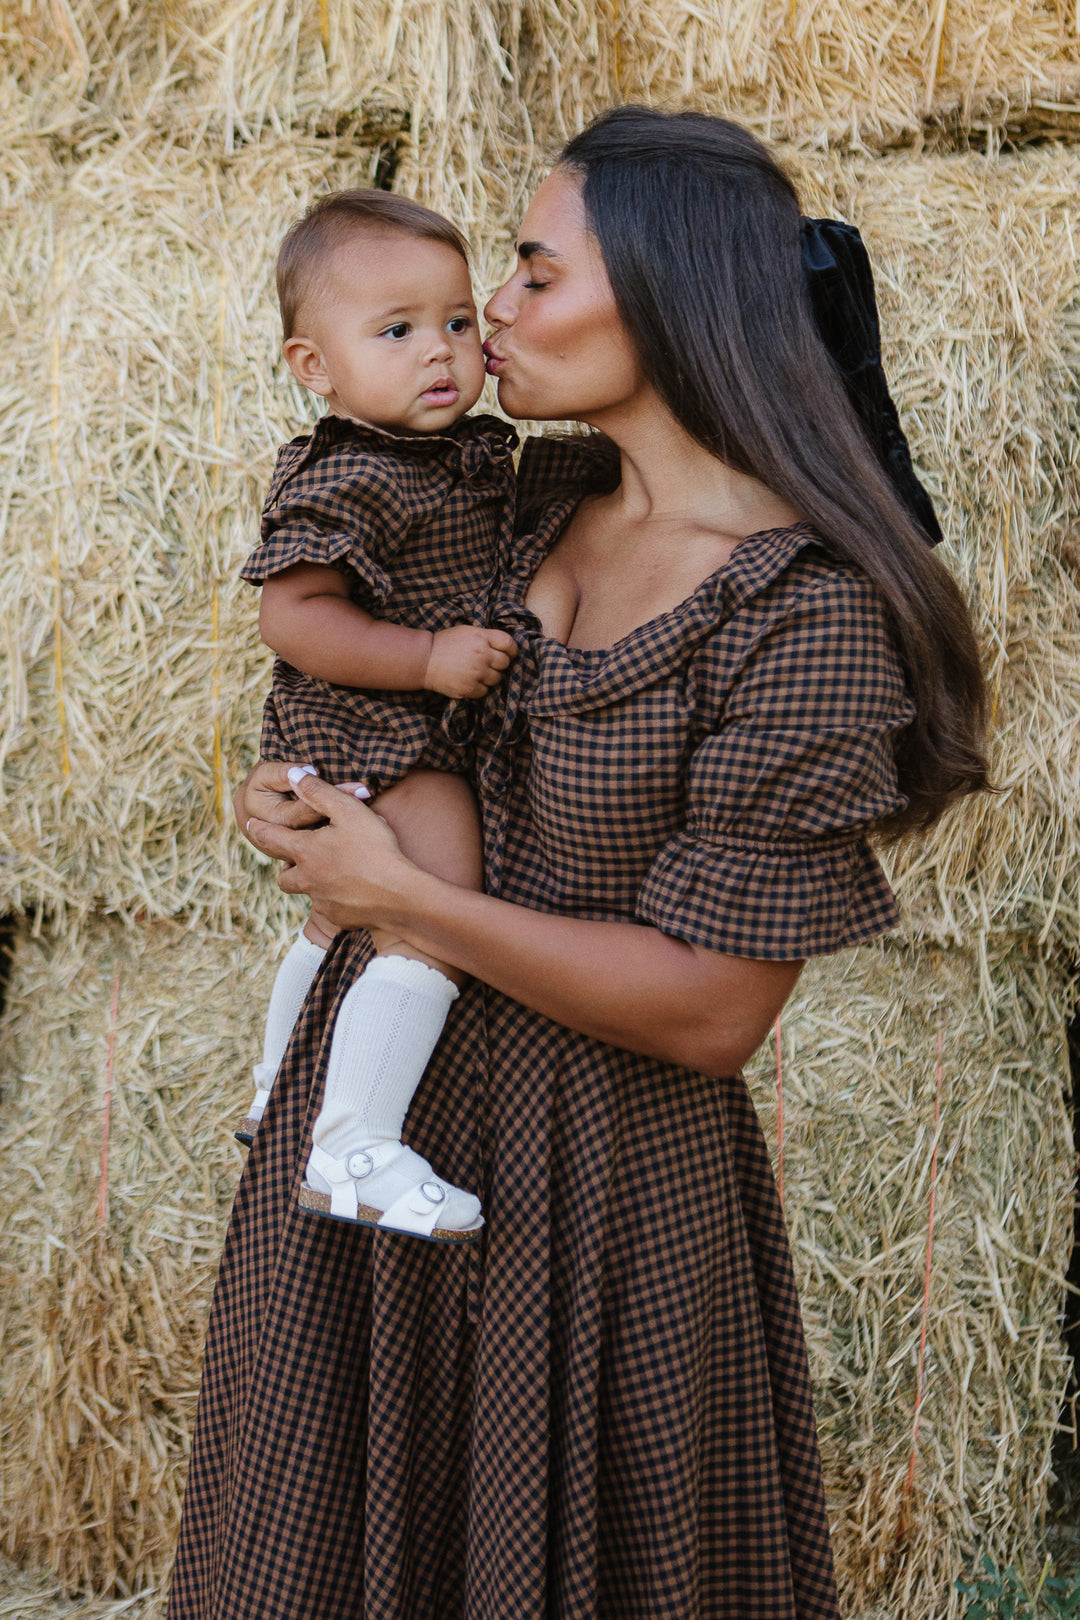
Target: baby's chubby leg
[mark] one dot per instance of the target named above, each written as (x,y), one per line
(437,823)
(386,1029)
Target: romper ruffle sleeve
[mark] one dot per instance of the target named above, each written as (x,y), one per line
(774,861)
(328,506)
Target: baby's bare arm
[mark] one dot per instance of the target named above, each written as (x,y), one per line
(308,617)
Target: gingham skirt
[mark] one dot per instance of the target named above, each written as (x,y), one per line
(603,1412)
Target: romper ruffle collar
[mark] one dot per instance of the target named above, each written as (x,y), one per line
(474,448)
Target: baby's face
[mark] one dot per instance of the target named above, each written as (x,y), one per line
(391,334)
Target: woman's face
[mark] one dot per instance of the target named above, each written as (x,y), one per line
(559,349)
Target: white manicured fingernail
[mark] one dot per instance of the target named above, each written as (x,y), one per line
(361,792)
(298,771)
(247,823)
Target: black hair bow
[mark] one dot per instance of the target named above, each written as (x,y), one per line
(842,294)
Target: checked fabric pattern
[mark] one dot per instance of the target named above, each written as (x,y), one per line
(604,1411)
(416,523)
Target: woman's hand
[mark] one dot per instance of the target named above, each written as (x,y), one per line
(267,793)
(351,865)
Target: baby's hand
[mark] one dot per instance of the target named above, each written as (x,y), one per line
(466,659)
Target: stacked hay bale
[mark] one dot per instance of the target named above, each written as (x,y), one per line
(151,160)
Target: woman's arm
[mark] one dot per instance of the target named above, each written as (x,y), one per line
(307,615)
(623,983)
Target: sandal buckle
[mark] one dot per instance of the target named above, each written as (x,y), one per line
(359,1164)
(432,1192)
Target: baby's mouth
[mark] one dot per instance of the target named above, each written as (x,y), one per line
(442,392)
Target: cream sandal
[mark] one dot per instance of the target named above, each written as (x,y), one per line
(420,1197)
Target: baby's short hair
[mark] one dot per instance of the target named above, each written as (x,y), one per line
(330,220)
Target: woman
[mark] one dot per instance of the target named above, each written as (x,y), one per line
(738,656)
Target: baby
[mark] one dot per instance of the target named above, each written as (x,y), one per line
(380,536)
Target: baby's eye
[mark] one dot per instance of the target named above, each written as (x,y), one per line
(459,324)
(400,329)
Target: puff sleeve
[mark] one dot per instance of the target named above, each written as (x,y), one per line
(335,508)
(773,861)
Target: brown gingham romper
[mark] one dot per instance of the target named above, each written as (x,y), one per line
(605,1413)
(416,523)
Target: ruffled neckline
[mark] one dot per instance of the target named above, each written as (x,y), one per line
(471,445)
(555,476)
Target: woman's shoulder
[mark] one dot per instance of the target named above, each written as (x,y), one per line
(808,626)
(785,571)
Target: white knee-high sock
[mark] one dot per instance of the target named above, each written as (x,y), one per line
(294,980)
(385,1032)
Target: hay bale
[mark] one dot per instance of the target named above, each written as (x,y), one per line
(842,72)
(37,1597)
(860,1082)
(139,431)
(101,1323)
(103,1301)
(420,80)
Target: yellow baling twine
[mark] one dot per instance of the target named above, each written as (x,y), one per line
(324,24)
(937,54)
(58,623)
(215,521)
(618,45)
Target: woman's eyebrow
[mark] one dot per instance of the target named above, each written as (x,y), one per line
(533,250)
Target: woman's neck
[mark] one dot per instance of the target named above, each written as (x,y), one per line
(667,476)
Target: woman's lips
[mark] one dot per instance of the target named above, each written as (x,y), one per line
(492,361)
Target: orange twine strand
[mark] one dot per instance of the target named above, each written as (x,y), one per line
(1002,657)
(919,1390)
(616,40)
(106,1117)
(779,1113)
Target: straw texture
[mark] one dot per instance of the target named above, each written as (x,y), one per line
(860,1076)
(37,1597)
(107,1275)
(845,72)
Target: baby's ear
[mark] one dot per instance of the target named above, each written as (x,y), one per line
(305,361)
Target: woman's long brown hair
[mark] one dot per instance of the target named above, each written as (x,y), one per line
(699,231)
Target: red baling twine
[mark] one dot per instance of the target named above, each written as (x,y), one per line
(901,1528)
(106,1117)
(779,1113)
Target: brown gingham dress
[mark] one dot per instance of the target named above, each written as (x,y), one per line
(417,524)
(603,1412)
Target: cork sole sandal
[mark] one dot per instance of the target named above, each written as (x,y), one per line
(414,1212)
(245,1131)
